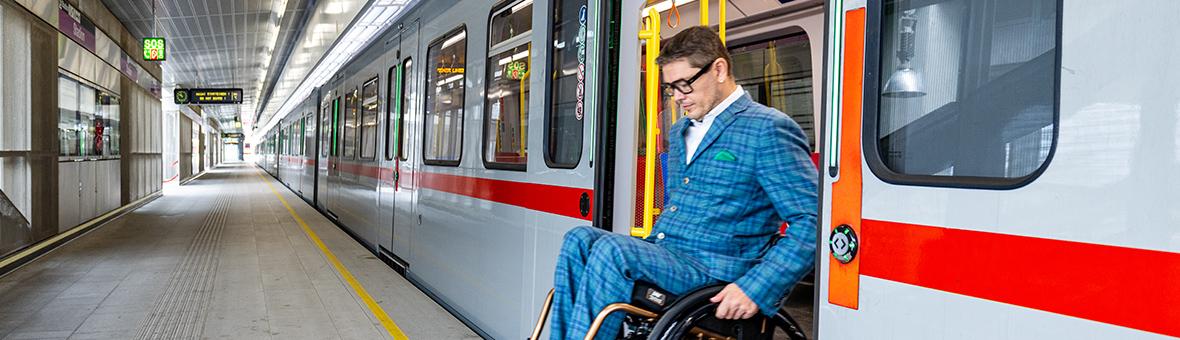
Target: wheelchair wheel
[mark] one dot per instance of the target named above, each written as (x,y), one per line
(691,317)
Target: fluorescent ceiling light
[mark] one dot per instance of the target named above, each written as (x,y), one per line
(376,17)
(336,7)
(521,6)
(324,28)
(664,6)
(462,35)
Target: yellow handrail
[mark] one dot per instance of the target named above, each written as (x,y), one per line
(721,20)
(652,95)
(522,128)
(704,13)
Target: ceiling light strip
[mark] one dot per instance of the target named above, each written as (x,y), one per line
(378,16)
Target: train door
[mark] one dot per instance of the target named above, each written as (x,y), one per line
(324,142)
(388,168)
(776,50)
(774,47)
(401,179)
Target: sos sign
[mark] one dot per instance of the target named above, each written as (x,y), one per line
(154,49)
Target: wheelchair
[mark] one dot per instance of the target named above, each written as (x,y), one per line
(658,315)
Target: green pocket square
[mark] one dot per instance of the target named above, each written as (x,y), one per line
(724,156)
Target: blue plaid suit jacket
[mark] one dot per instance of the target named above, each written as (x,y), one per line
(751,172)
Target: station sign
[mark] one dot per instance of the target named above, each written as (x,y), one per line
(207,96)
(154,49)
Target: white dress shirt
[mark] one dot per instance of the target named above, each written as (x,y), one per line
(698,128)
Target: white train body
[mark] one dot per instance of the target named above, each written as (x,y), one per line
(1075,238)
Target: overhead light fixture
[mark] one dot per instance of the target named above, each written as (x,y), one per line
(335,7)
(521,55)
(665,5)
(372,20)
(521,6)
(905,81)
(462,35)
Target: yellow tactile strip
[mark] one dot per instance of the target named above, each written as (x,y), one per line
(360,291)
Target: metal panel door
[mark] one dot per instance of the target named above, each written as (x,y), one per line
(404,166)
(69,191)
(88,207)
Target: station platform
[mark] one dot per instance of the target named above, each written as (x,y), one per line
(230,255)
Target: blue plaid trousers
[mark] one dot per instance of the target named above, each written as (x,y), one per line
(596,268)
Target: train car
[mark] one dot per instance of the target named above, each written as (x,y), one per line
(1000,170)
(419,147)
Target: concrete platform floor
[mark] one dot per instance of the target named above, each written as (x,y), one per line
(218,258)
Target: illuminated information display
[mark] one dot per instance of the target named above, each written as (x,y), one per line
(154,49)
(207,96)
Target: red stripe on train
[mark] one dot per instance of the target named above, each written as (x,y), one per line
(552,199)
(1129,287)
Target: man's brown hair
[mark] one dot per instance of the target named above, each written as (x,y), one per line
(698,45)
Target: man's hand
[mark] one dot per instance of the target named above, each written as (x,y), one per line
(734,304)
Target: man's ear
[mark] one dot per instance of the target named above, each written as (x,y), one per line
(721,70)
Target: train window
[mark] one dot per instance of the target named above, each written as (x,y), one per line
(563,121)
(395,118)
(325,121)
(445,88)
(777,73)
(303,135)
(286,139)
(350,124)
(335,126)
(966,91)
(505,144)
(390,125)
(287,132)
(404,105)
(369,119)
(281,140)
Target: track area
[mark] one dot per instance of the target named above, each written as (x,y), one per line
(221,257)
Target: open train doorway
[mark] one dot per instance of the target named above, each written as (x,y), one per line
(777,49)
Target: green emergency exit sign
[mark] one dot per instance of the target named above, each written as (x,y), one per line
(153,49)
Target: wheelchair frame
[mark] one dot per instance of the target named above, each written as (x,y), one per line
(695,304)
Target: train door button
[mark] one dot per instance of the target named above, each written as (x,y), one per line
(660,236)
(686,181)
(843,243)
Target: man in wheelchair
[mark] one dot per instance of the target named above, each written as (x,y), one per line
(736,170)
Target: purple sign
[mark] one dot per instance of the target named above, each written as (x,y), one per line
(71,22)
(128,67)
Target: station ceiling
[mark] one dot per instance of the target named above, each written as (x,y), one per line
(248,44)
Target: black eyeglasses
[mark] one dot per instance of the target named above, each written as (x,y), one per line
(684,85)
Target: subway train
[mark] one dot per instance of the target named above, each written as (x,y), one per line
(467,139)
(990,169)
